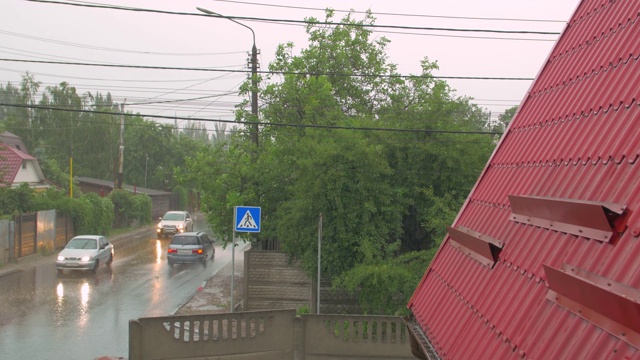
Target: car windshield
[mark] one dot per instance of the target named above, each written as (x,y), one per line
(173,217)
(184,240)
(82,244)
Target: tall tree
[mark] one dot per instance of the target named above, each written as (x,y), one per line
(385,196)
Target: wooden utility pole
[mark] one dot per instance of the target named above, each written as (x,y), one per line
(120,177)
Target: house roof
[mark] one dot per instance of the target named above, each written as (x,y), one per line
(14,141)
(10,162)
(543,259)
(108,184)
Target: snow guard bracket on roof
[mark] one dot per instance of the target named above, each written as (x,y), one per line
(590,219)
(609,305)
(480,247)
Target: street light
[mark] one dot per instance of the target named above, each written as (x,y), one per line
(254,73)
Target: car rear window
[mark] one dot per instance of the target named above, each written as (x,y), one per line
(185,240)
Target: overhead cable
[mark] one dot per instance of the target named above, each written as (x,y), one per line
(307,22)
(314,126)
(265,71)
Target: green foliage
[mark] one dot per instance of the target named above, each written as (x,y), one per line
(142,209)
(81,214)
(385,287)
(183,196)
(52,172)
(87,143)
(16,200)
(385,196)
(102,213)
(304,309)
(129,207)
(505,118)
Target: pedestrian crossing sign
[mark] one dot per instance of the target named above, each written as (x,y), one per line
(247,219)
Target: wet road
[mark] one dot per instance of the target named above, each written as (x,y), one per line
(81,315)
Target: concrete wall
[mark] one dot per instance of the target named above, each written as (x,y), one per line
(272,282)
(269,335)
(256,335)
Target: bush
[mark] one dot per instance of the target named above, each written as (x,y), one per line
(183,196)
(16,200)
(142,208)
(102,213)
(129,207)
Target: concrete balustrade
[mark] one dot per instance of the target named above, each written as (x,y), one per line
(274,334)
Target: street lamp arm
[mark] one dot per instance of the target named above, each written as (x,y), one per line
(209,12)
(254,73)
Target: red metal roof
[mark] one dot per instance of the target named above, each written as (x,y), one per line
(10,162)
(565,283)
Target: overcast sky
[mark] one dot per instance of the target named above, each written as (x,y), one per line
(65,33)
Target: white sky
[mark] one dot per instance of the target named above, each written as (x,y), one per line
(52,32)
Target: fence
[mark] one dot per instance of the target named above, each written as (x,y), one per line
(272,282)
(28,234)
(275,334)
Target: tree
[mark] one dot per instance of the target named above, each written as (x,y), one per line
(383,195)
(506,117)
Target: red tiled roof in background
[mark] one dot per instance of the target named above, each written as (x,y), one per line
(10,163)
(543,260)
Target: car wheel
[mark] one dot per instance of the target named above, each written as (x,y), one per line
(60,271)
(95,267)
(110,260)
(170,263)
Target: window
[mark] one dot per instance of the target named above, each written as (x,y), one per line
(185,240)
(24,165)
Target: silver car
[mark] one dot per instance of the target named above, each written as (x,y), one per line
(174,222)
(190,247)
(85,252)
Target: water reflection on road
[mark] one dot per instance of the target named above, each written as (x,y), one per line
(87,314)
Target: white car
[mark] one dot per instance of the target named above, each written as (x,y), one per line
(174,222)
(85,252)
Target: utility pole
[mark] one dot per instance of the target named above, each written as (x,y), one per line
(71,170)
(120,177)
(146,160)
(254,93)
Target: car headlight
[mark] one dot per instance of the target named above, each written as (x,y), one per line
(159,225)
(180,226)
(86,258)
(60,258)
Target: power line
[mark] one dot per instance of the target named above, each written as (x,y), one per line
(93,47)
(247,18)
(314,126)
(100,79)
(392,14)
(263,71)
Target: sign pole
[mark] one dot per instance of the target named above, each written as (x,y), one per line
(233,256)
(249,221)
(319,257)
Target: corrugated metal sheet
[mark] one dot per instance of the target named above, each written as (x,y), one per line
(577,137)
